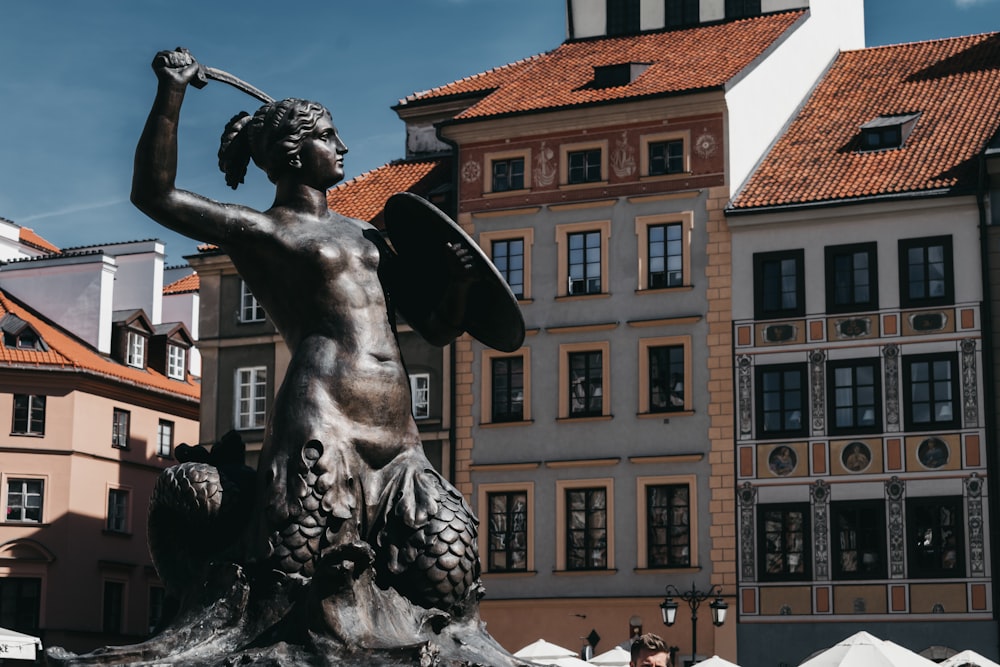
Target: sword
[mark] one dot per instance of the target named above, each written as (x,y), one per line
(206,73)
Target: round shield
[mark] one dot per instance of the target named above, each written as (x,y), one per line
(420,233)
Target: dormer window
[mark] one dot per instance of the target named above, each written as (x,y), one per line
(609,76)
(19,335)
(176,362)
(136,350)
(887,132)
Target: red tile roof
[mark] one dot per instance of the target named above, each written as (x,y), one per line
(68,353)
(954,84)
(698,58)
(29,237)
(189,283)
(364,197)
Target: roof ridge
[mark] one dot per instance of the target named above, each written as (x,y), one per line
(919,42)
(479,75)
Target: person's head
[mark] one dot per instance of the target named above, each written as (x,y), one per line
(272,137)
(649,650)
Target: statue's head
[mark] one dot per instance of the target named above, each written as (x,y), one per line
(271,137)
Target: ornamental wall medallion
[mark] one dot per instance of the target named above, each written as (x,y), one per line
(623,157)
(856,457)
(854,327)
(705,145)
(977,542)
(933,453)
(817,374)
(891,355)
(471,172)
(820,493)
(747,496)
(894,489)
(970,385)
(744,367)
(545,169)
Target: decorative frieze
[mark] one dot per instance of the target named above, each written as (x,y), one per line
(970,385)
(894,490)
(977,545)
(817,377)
(747,496)
(890,354)
(820,493)
(744,368)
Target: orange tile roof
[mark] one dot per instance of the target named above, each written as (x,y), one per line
(28,236)
(364,197)
(698,58)
(189,283)
(69,353)
(953,83)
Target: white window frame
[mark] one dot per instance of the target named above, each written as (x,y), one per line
(135,354)
(420,395)
(23,482)
(176,362)
(246,416)
(165,438)
(250,308)
(121,431)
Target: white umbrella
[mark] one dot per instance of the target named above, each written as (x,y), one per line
(865,649)
(541,650)
(968,658)
(716,661)
(18,646)
(616,657)
(566,662)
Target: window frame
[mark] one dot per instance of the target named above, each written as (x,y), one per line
(687,10)
(562,535)
(176,362)
(111,614)
(24,481)
(251,418)
(563,232)
(135,349)
(832,255)
(916,570)
(527,238)
(27,589)
(906,299)
(32,421)
(565,352)
(741,9)
(165,430)
(760,407)
(121,428)
(483,493)
(510,160)
(646,345)
(643,224)
(250,309)
(909,361)
(486,385)
(760,296)
(118,514)
(565,153)
(643,525)
(420,396)
(873,512)
(646,144)
(509,515)
(832,395)
(806,553)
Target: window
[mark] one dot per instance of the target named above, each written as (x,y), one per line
(666,157)
(176,362)
(664,250)
(251,404)
(583,258)
(584,166)
(741,9)
(508,389)
(250,310)
(680,13)
(784,539)
(854,391)
(508,174)
(930,381)
(622,17)
(936,540)
(508,257)
(587,529)
(120,426)
(114,605)
(508,531)
(925,272)
(782,397)
(666,378)
(420,392)
(136,353)
(157,598)
(586,379)
(779,285)
(668,512)
(165,438)
(585,262)
(859,535)
(24,500)
(885,132)
(20,603)
(117,510)
(851,278)
(29,415)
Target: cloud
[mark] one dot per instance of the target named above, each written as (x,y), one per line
(72,210)
(965,4)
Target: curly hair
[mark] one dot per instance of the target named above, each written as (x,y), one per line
(271,137)
(648,642)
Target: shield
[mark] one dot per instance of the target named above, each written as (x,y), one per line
(420,233)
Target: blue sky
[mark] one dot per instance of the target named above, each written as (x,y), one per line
(75,85)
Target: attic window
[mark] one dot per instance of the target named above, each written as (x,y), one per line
(886,132)
(18,334)
(609,76)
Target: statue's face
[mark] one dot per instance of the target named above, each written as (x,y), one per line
(321,155)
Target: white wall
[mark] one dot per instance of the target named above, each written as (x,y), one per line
(763,101)
(184,308)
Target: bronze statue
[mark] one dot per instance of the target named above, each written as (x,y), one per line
(346,547)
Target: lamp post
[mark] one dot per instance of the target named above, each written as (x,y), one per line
(694,598)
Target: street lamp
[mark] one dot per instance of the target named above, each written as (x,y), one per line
(694,598)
